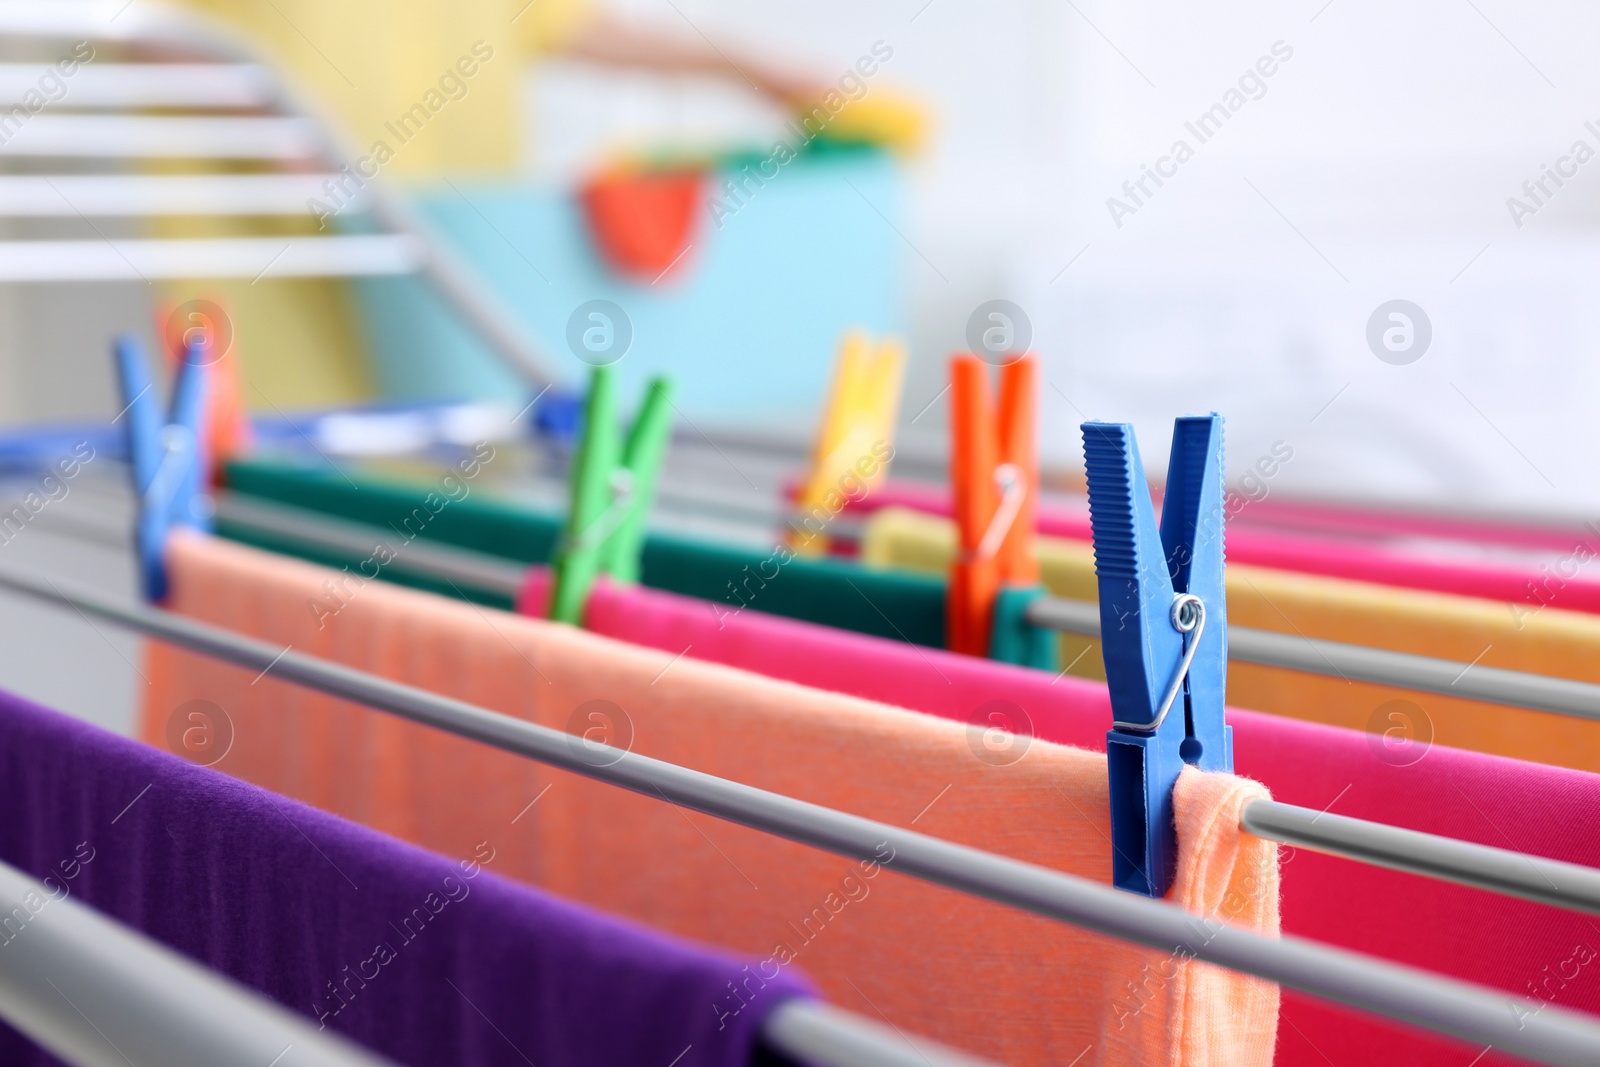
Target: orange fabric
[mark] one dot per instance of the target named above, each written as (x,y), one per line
(986,978)
(1518,637)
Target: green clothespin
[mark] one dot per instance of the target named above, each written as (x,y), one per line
(642,458)
(612,489)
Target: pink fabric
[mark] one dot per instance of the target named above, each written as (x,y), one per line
(1558,581)
(1524,948)
(1293,516)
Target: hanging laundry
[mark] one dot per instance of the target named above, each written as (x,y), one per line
(925,958)
(731,578)
(423,958)
(1532,568)
(1561,643)
(1482,937)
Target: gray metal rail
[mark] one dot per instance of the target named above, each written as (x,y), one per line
(97,994)
(1531,1029)
(1517,874)
(1357,663)
(475,570)
(815,1032)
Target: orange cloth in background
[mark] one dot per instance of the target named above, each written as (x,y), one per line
(982,977)
(1519,637)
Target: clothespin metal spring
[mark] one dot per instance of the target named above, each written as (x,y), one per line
(1188,615)
(596,532)
(1013,486)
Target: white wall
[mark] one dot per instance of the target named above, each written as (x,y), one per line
(1376,164)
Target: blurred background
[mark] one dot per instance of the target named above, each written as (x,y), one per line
(989,160)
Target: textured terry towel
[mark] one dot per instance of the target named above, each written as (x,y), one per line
(818,589)
(1565,644)
(1514,564)
(1494,940)
(427,960)
(983,977)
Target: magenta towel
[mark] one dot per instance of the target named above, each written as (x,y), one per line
(1524,948)
(424,959)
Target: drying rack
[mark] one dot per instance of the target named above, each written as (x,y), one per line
(1541,1033)
(1534,878)
(218,103)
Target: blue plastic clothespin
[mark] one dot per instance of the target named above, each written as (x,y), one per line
(167,455)
(558,418)
(1163,632)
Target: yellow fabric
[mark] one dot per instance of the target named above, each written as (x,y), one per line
(1467,630)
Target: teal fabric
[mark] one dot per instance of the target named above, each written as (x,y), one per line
(833,592)
(1013,639)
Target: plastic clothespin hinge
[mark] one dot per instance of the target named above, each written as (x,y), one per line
(1166,661)
(167,455)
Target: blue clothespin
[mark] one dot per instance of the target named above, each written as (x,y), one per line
(558,418)
(1163,632)
(167,455)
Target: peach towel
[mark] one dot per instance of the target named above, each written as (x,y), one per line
(1519,637)
(982,977)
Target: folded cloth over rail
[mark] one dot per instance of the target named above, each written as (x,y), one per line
(451,510)
(982,977)
(1524,948)
(1565,644)
(425,959)
(1495,561)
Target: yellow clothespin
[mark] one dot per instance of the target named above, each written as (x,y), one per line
(856,439)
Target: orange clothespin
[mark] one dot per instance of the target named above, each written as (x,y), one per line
(856,439)
(994,469)
(203,326)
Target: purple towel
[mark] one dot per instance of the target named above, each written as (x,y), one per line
(424,959)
